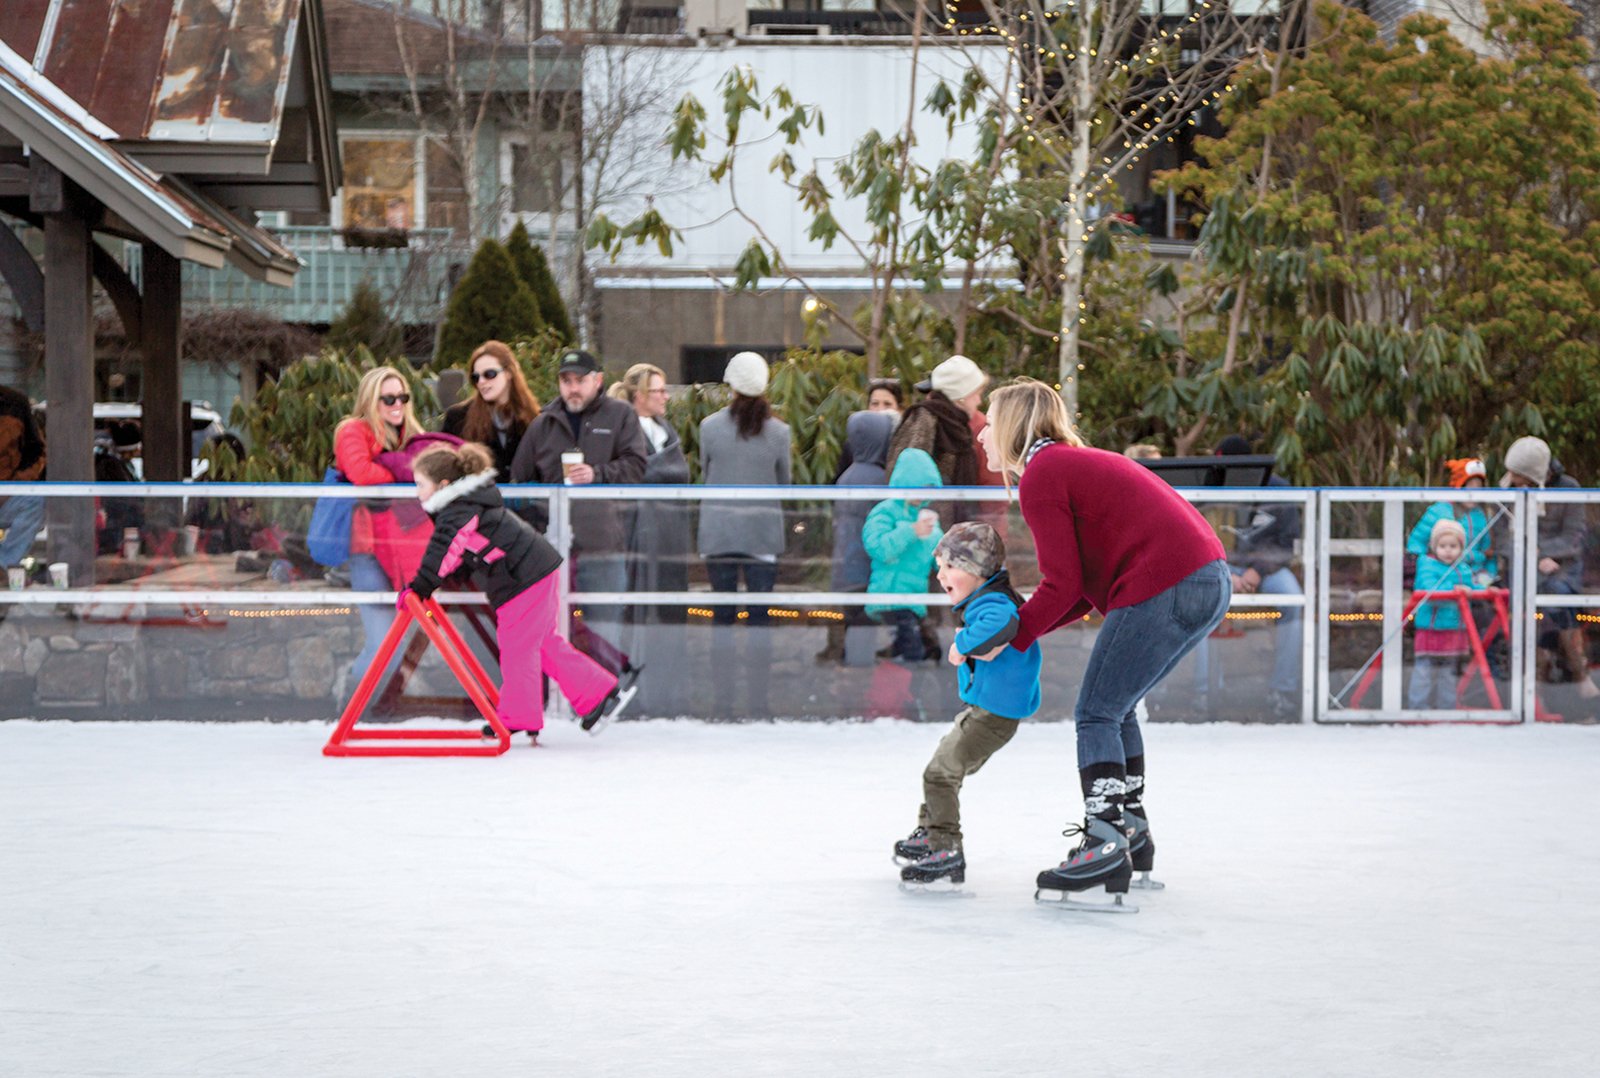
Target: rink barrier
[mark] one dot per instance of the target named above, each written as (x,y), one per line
(1316,550)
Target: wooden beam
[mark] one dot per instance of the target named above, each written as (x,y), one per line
(23,276)
(120,287)
(166,443)
(69,386)
(48,190)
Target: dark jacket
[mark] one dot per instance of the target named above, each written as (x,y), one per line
(1265,536)
(1008,684)
(867,437)
(613,445)
(502,443)
(473,530)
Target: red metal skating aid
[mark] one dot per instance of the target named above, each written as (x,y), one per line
(463,664)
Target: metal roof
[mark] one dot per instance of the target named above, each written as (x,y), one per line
(182,70)
(163,209)
(236,91)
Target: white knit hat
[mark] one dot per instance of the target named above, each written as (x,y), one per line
(958,377)
(747,374)
(1529,458)
(1447,526)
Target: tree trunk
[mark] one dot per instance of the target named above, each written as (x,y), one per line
(1072,243)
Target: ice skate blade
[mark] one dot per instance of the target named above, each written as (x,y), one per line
(1143,882)
(1078,905)
(606,719)
(935,888)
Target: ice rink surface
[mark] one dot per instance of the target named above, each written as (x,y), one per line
(679,899)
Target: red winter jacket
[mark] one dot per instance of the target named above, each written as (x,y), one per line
(1109,534)
(398,548)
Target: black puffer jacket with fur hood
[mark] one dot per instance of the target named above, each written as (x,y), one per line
(473,530)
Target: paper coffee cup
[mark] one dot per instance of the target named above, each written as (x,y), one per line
(17,577)
(191,538)
(58,574)
(928,516)
(130,543)
(568,459)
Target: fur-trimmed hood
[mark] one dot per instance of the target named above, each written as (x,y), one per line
(478,489)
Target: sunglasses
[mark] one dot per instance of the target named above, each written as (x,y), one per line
(487,376)
(390,400)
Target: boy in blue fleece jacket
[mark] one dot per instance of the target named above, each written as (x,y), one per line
(999,693)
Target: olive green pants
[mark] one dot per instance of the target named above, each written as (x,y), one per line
(976,736)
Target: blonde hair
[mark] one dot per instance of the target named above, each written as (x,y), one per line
(366,408)
(1019,415)
(635,382)
(446,464)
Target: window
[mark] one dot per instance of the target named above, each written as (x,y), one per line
(535,180)
(380,182)
(447,190)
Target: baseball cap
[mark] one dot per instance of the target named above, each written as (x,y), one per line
(577,361)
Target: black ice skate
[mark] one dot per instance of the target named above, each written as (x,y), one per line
(1100,859)
(488,731)
(914,847)
(617,699)
(1141,850)
(942,870)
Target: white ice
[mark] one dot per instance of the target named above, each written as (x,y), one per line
(680,899)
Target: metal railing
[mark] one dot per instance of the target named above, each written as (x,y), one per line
(1352,560)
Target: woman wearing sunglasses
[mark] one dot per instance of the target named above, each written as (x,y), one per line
(384,552)
(497,415)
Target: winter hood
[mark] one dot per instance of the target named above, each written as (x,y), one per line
(914,468)
(867,435)
(477,489)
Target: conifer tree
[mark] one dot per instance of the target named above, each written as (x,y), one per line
(489,303)
(365,322)
(534,269)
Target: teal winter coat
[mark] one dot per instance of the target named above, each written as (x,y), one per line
(1435,575)
(1474,521)
(901,560)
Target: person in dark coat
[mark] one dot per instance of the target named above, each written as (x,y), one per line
(515,566)
(614,448)
(658,542)
(867,437)
(501,406)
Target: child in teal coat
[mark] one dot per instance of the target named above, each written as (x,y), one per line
(1441,637)
(900,536)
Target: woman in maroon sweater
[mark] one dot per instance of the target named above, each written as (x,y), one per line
(1111,536)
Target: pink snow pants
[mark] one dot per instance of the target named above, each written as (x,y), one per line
(531,646)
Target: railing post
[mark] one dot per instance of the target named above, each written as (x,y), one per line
(1310,561)
(561,539)
(1525,603)
(1394,604)
(1324,601)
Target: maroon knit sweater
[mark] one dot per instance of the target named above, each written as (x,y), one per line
(1109,534)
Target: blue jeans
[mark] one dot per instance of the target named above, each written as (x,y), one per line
(21,516)
(1137,647)
(754,667)
(366,574)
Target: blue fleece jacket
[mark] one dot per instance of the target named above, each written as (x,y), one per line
(1435,575)
(1008,684)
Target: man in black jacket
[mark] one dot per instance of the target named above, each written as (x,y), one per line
(614,449)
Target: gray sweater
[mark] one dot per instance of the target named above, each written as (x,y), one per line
(742,527)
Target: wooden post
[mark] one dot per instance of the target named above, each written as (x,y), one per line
(69,364)
(166,445)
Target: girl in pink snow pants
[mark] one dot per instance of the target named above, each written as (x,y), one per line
(516,567)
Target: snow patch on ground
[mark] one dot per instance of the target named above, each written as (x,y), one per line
(677,898)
